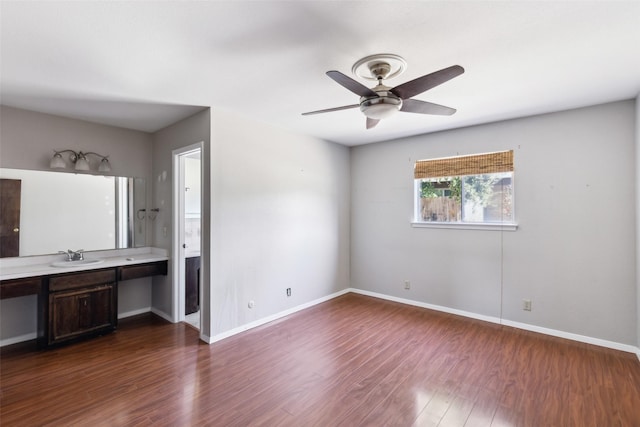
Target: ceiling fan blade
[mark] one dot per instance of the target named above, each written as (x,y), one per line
(349,83)
(424,83)
(328,110)
(422,107)
(371,123)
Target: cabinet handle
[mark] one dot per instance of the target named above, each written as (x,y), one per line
(15,230)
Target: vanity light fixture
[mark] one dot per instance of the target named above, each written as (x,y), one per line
(80,160)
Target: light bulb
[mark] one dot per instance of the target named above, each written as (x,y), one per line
(57,162)
(105,166)
(82,164)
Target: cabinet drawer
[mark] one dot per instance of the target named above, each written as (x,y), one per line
(80,280)
(20,287)
(128,272)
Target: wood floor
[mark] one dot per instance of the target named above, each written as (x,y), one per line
(352,361)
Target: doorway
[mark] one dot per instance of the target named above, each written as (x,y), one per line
(188,233)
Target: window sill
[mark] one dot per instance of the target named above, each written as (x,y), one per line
(467,226)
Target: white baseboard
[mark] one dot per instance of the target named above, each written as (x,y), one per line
(491,319)
(162,314)
(271,318)
(527,327)
(205,338)
(133,312)
(20,338)
(573,337)
(427,305)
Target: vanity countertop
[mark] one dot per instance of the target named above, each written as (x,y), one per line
(17,268)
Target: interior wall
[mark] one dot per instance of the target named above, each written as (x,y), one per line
(573,254)
(27,141)
(279,219)
(189,131)
(30,138)
(637,233)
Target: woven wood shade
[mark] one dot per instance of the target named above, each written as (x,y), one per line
(465,165)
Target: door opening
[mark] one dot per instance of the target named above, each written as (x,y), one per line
(187,232)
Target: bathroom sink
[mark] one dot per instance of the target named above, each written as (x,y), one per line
(67,264)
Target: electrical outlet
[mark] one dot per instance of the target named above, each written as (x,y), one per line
(526,304)
(288,292)
(407,284)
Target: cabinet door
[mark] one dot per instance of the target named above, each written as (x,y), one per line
(64,310)
(103,311)
(81,312)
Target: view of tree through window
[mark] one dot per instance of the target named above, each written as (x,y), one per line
(465,189)
(472,198)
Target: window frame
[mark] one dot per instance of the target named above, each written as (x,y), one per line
(511,225)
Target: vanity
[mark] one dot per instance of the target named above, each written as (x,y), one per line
(46,298)
(77,301)
(76,305)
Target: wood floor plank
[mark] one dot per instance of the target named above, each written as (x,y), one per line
(352,361)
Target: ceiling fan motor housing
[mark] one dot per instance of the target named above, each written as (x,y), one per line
(382,106)
(379,70)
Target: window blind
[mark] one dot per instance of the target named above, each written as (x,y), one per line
(477,164)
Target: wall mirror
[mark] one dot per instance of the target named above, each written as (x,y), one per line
(56,211)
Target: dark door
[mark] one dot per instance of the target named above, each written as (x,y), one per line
(10,217)
(192,285)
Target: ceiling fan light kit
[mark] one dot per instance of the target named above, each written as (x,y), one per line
(381,102)
(381,107)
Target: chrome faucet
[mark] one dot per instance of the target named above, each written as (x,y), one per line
(73,255)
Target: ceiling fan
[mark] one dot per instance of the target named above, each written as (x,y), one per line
(382,101)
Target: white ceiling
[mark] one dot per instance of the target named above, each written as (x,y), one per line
(146,64)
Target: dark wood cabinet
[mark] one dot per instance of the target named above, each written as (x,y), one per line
(79,305)
(192,285)
(83,312)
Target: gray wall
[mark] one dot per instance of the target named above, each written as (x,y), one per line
(275,216)
(27,141)
(279,219)
(637,206)
(189,131)
(573,254)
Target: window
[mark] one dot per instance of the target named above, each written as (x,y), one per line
(465,191)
